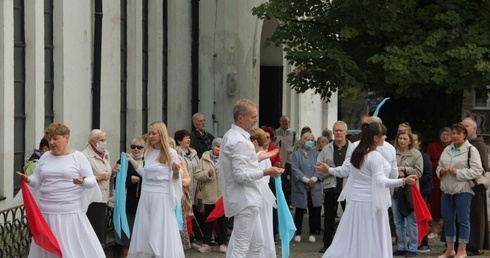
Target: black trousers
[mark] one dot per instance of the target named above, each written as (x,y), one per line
(208,227)
(96,214)
(330,206)
(314,220)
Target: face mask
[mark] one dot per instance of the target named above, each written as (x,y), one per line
(137,157)
(101,146)
(309,145)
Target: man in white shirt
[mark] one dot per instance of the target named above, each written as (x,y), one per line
(242,196)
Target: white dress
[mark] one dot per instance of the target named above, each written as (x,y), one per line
(155,232)
(364,229)
(265,214)
(63,204)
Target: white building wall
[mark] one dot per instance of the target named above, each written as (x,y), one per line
(110,81)
(73,68)
(134,69)
(34,72)
(179,66)
(6,98)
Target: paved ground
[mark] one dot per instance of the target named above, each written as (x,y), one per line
(310,250)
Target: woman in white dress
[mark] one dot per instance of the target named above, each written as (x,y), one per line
(258,138)
(62,176)
(156,232)
(364,229)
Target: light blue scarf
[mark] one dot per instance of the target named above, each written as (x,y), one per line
(286,222)
(119,218)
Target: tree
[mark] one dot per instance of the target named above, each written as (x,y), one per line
(407,49)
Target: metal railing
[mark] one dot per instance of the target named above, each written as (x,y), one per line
(15,236)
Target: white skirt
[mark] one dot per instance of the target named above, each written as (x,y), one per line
(359,234)
(75,236)
(155,232)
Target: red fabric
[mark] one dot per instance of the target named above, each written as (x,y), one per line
(276,159)
(422,213)
(218,212)
(434,150)
(189,226)
(40,230)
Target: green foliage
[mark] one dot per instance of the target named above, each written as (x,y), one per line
(399,48)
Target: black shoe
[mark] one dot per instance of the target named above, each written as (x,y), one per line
(423,249)
(399,253)
(472,253)
(410,254)
(323,250)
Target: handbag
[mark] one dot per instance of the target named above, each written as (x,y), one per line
(479,183)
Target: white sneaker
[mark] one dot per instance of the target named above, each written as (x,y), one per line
(297,238)
(223,248)
(432,236)
(312,239)
(204,248)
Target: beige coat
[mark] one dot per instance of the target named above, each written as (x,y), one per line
(100,166)
(211,185)
(455,184)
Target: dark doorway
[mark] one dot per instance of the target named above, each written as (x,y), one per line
(270,100)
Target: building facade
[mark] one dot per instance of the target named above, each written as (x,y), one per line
(119,65)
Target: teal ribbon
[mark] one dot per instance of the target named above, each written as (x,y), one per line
(286,222)
(379,106)
(119,218)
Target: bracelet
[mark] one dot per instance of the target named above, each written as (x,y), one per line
(83,182)
(403,180)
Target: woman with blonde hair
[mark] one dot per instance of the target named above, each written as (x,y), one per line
(156,231)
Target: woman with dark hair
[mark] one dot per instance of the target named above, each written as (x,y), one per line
(364,229)
(459,163)
(434,151)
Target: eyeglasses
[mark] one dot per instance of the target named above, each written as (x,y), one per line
(139,147)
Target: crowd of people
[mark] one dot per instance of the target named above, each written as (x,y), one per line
(173,185)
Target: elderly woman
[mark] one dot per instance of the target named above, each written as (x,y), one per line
(186,203)
(64,178)
(459,163)
(133,191)
(307,190)
(97,154)
(207,174)
(409,162)
(191,159)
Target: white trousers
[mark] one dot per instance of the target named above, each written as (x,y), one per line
(246,239)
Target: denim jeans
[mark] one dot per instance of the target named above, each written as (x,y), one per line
(402,233)
(456,207)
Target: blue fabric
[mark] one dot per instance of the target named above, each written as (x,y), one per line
(379,106)
(179,216)
(119,218)
(286,222)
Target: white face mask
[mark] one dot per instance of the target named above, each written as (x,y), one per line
(101,146)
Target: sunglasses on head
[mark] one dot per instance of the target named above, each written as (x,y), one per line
(139,147)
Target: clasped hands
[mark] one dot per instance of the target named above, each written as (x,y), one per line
(451,171)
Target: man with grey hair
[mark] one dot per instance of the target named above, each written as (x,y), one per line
(200,139)
(240,172)
(333,154)
(479,238)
